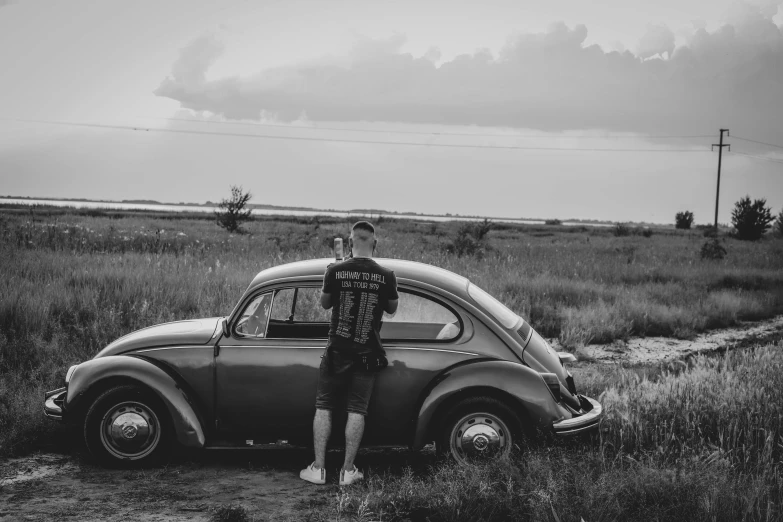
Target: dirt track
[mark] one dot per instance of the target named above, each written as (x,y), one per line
(653,350)
(61,486)
(52,486)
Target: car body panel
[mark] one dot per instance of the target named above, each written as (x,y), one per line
(523,384)
(178,333)
(187,425)
(542,358)
(193,368)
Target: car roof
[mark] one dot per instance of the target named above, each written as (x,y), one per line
(403,269)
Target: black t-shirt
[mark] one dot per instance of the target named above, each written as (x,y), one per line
(360,289)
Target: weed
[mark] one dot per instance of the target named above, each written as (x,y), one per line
(230,513)
(713,250)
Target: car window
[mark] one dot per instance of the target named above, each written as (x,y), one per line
(253,321)
(297,314)
(497,309)
(420,318)
(308,306)
(281,307)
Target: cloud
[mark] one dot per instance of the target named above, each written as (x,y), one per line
(731,77)
(657,40)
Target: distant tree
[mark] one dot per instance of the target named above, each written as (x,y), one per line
(751,220)
(779,224)
(683,220)
(232,213)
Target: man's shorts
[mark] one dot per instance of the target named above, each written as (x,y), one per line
(345,386)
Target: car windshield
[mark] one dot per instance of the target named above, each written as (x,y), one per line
(498,310)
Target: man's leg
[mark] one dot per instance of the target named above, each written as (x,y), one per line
(361,390)
(354,429)
(322,428)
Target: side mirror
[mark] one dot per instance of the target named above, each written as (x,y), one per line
(224,326)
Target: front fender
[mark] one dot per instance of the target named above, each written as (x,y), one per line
(183,416)
(521,383)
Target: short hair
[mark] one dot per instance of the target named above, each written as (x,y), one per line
(363,225)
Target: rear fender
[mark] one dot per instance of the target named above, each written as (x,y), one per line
(93,373)
(524,385)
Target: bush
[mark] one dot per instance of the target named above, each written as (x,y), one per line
(471,239)
(553,222)
(683,220)
(712,249)
(232,211)
(779,224)
(621,229)
(751,220)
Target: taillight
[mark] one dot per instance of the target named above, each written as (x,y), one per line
(553,383)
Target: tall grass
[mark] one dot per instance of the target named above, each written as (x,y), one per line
(700,444)
(72,282)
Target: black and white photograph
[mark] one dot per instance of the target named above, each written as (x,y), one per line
(391,261)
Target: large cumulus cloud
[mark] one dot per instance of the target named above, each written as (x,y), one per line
(732,76)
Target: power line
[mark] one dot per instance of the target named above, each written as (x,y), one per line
(773,160)
(422,133)
(342,140)
(759,142)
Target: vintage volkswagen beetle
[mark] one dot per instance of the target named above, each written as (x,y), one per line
(464,371)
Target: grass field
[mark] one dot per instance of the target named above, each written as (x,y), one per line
(73,281)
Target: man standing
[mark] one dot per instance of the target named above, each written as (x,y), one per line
(358,290)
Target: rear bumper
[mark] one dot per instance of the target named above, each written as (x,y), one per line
(588,421)
(53,403)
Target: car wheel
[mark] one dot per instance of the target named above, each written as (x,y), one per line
(127,426)
(479,428)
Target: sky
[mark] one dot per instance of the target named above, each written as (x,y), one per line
(562,109)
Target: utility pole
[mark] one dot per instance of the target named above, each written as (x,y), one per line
(720,156)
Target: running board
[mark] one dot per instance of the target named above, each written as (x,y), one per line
(250,444)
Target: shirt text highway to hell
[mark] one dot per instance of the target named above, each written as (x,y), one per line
(360,288)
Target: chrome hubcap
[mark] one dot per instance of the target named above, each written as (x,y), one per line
(130,430)
(479,435)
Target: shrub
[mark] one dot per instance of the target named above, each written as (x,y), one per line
(553,222)
(471,239)
(712,249)
(683,220)
(232,211)
(751,220)
(779,224)
(621,229)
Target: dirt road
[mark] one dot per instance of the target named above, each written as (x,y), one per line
(653,350)
(58,485)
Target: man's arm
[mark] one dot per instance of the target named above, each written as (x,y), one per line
(391,306)
(326,300)
(393,298)
(327,289)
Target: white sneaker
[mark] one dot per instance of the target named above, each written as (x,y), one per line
(349,477)
(313,474)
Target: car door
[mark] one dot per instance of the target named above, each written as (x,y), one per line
(267,372)
(426,335)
